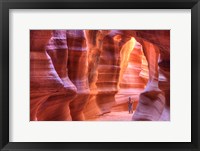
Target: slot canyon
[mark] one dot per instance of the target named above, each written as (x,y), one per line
(91,75)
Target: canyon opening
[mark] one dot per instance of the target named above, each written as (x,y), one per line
(99,75)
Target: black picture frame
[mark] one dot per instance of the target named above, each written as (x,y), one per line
(5,5)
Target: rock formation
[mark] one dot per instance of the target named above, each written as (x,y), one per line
(91,109)
(108,70)
(78,71)
(83,74)
(133,80)
(50,89)
(156,95)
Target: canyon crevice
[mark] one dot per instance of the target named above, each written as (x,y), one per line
(78,75)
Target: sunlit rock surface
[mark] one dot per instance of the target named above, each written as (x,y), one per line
(92,109)
(86,74)
(109,67)
(133,80)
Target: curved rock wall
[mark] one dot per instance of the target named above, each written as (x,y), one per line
(133,80)
(115,48)
(91,109)
(78,71)
(49,94)
(153,101)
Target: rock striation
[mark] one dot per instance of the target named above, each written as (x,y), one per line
(155,98)
(78,71)
(50,92)
(133,80)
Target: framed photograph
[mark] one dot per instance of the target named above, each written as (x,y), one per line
(99,75)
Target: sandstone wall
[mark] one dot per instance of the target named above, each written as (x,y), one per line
(50,93)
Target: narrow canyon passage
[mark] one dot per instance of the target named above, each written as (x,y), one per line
(91,75)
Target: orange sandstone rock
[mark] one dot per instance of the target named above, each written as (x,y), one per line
(49,92)
(78,71)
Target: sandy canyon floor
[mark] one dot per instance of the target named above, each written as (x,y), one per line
(125,116)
